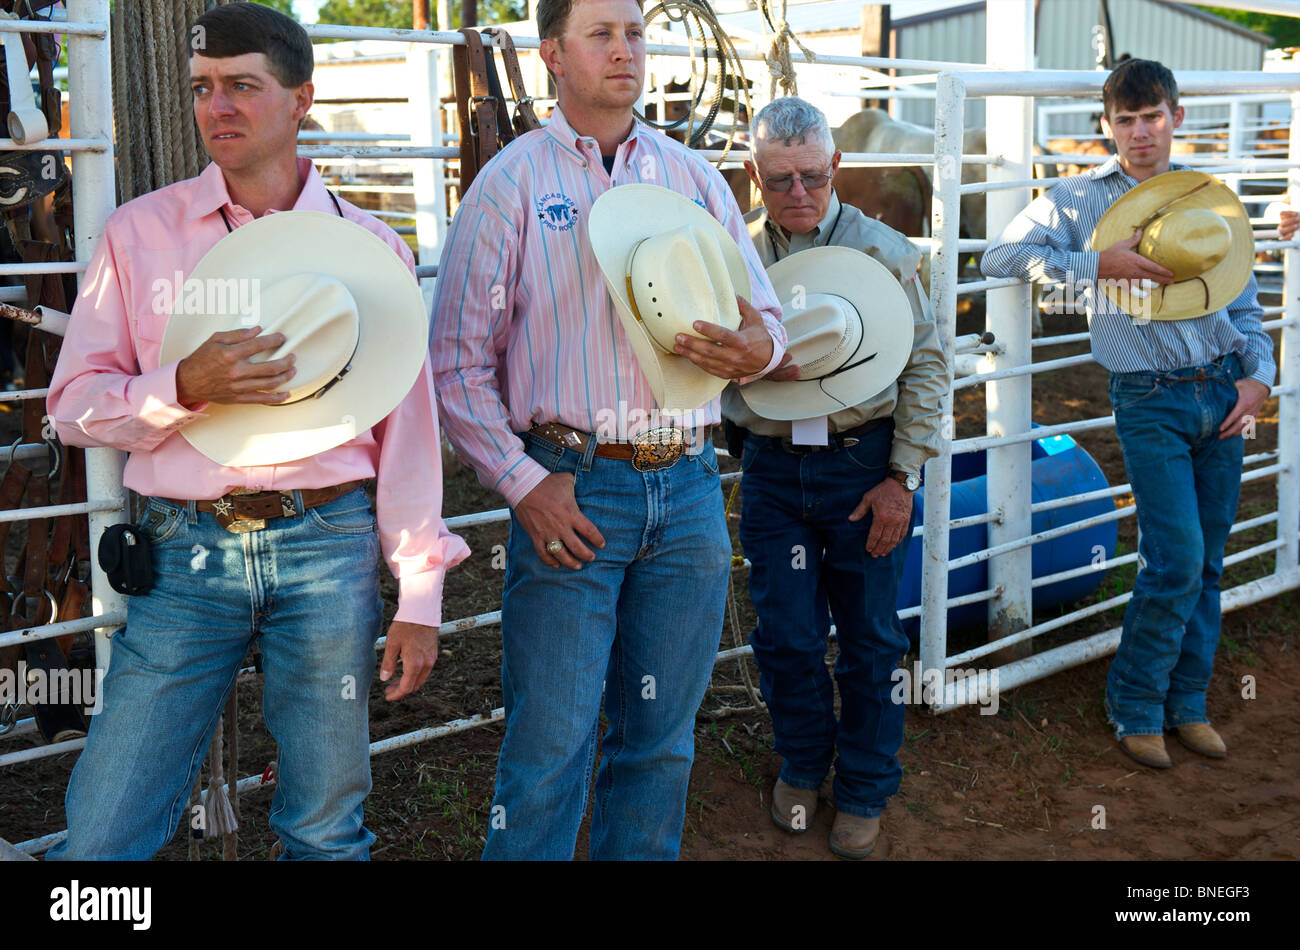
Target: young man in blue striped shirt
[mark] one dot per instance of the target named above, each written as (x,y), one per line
(1183,391)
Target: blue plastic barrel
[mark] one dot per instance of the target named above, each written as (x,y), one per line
(1060,468)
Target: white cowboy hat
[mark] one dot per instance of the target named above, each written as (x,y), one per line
(1194,225)
(667,263)
(850,330)
(350,311)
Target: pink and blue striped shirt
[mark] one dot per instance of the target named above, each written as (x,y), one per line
(524,330)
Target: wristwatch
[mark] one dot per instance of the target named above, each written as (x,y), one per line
(910,482)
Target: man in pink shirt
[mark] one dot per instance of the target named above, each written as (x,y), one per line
(616,575)
(303,587)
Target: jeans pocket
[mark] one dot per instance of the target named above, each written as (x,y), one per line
(868,456)
(708,459)
(1124,395)
(350,514)
(160,521)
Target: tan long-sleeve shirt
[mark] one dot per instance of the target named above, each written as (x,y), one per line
(913,399)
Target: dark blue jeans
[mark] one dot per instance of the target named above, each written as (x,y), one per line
(1185,482)
(809,564)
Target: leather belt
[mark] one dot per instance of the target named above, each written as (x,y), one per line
(243,510)
(652,450)
(837,440)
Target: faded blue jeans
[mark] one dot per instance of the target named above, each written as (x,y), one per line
(306,590)
(809,563)
(642,621)
(1185,482)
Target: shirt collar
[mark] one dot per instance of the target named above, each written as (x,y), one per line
(1112,166)
(820,233)
(558,128)
(211,194)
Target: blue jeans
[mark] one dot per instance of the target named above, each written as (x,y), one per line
(642,621)
(809,563)
(1185,482)
(306,590)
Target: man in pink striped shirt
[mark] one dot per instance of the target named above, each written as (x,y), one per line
(615,576)
(303,587)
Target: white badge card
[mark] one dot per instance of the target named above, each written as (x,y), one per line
(812,431)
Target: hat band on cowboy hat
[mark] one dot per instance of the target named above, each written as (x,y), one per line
(1195,226)
(669,241)
(352,314)
(850,329)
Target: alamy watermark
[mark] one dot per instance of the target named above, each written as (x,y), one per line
(213,297)
(33,686)
(931,686)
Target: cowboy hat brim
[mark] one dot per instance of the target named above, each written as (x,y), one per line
(392,346)
(618,221)
(1186,299)
(887,332)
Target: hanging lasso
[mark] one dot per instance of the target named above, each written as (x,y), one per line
(718,59)
(779,64)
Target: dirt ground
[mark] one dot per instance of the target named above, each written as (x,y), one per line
(1040,779)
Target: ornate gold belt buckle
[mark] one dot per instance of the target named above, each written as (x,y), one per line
(226,517)
(657,449)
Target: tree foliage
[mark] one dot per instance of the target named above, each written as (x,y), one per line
(398,13)
(1284,30)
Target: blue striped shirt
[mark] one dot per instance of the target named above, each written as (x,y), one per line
(1048,241)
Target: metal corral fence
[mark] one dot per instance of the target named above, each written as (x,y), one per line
(1010,358)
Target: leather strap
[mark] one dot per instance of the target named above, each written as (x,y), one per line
(525,119)
(569,438)
(255,506)
(476,106)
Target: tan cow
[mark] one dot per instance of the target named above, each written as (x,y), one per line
(874,130)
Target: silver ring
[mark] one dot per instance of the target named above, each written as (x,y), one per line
(554,547)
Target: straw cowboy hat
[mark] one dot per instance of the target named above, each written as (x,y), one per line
(1193,225)
(850,329)
(351,314)
(667,263)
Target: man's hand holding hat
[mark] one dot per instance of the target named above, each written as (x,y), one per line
(221,370)
(729,354)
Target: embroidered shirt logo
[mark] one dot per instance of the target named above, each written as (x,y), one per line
(701,203)
(557,212)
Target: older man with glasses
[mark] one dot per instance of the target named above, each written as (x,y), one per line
(845,504)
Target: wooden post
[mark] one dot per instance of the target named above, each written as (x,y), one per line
(469,16)
(420,14)
(875,40)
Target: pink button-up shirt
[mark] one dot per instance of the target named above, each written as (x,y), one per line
(524,330)
(108,389)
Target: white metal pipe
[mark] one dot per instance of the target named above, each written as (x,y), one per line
(62,628)
(1026,369)
(90,116)
(980,444)
(945,218)
(1024,542)
(90,29)
(428,177)
(1083,337)
(1060,658)
(52,267)
(54,144)
(41,752)
(374,153)
(1074,572)
(1288,406)
(992,283)
(53,511)
(1068,82)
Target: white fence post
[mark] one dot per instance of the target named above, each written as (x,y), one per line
(1288,410)
(1009,45)
(425,124)
(945,222)
(90,115)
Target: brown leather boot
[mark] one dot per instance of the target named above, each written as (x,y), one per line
(793,808)
(1201,737)
(1148,750)
(854,837)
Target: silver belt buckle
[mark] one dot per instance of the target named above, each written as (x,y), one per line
(657,449)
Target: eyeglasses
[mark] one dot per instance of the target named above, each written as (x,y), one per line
(783,183)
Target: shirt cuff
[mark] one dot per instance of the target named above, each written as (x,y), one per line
(1083,267)
(526,475)
(1264,373)
(778,351)
(159,405)
(907,459)
(419,597)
